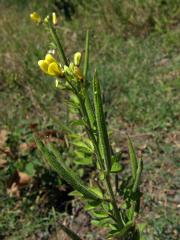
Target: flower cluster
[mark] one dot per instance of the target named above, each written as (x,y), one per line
(37,18)
(50,66)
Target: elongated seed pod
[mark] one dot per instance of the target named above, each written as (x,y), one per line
(132,154)
(88,104)
(65,172)
(89,109)
(138,176)
(101,124)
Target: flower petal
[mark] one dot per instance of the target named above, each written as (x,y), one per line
(43,65)
(49,58)
(55,69)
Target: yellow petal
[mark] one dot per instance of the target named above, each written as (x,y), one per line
(49,58)
(35,17)
(43,65)
(55,69)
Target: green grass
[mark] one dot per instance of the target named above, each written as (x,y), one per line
(138,64)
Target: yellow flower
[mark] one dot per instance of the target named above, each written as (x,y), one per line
(77,58)
(50,66)
(54,18)
(35,17)
(55,69)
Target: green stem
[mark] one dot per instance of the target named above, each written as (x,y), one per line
(86,60)
(113,201)
(58,44)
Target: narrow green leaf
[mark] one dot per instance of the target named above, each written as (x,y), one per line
(121,233)
(75,194)
(89,109)
(135,202)
(91,205)
(51,156)
(97,191)
(84,161)
(102,223)
(134,163)
(101,124)
(84,146)
(100,214)
(116,167)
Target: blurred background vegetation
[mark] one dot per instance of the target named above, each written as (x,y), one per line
(135,49)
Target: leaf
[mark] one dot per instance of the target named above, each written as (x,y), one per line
(91,205)
(141,227)
(74,123)
(104,222)
(97,191)
(133,158)
(122,232)
(84,146)
(100,214)
(29,169)
(102,175)
(83,158)
(51,155)
(75,194)
(107,206)
(83,161)
(101,124)
(116,167)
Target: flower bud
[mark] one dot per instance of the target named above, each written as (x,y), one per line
(77,58)
(77,73)
(54,18)
(56,82)
(35,17)
(46,20)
